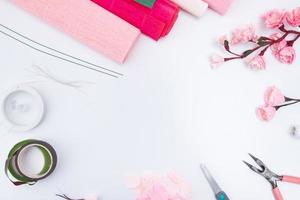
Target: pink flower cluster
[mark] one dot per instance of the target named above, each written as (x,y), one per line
(154,187)
(281,50)
(276,18)
(243,34)
(281,47)
(273,100)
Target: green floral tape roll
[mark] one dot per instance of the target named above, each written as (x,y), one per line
(12,165)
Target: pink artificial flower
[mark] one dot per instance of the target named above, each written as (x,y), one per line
(256,63)
(265,113)
(157,192)
(177,184)
(222,39)
(166,187)
(274,18)
(236,37)
(273,96)
(216,61)
(243,34)
(293,17)
(249,33)
(276,47)
(287,55)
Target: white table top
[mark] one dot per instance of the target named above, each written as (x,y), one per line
(169,112)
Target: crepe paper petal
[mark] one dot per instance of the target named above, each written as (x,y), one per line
(98,29)
(158,192)
(147,3)
(163,187)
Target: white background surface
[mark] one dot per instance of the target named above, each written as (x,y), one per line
(169,112)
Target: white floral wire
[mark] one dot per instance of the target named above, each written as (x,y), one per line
(45,73)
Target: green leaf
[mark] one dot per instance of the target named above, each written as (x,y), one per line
(262,38)
(247,53)
(262,43)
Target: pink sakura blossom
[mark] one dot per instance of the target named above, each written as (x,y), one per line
(256,63)
(166,187)
(293,17)
(274,18)
(265,113)
(286,55)
(275,48)
(273,96)
(274,100)
(216,61)
(243,34)
(156,192)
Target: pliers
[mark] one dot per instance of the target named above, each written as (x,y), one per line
(271,177)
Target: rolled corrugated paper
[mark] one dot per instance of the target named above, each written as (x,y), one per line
(156,22)
(194,7)
(220,6)
(88,23)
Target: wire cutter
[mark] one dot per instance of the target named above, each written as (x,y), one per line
(272,177)
(219,193)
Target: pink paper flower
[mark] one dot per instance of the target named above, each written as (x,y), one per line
(166,187)
(265,113)
(256,63)
(236,36)
(274,18)
(275,48)
(293,17)
(243,34)
(287,55)
(273,96)
(157,192)
(216,61)
(249,33)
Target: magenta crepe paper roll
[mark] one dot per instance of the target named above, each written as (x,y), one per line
(88,23)
(155,22)
(220,6)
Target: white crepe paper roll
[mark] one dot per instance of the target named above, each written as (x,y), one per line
(194,7)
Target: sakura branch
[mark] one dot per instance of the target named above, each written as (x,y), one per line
(281,43)
(274,100)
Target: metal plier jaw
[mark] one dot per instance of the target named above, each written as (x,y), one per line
(270,176)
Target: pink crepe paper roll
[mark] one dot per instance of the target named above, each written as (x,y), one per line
(88,23)
(194,7)
(220,6)
(155,22)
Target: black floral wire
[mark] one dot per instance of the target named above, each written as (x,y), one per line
(59,57)
(65,54)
